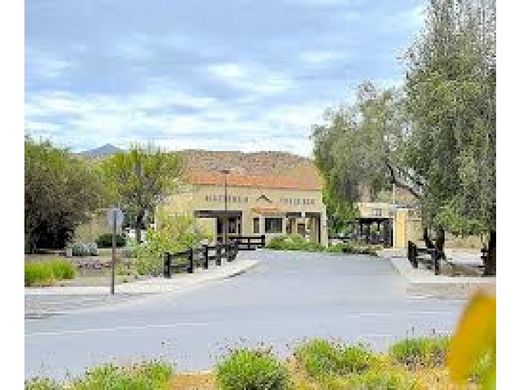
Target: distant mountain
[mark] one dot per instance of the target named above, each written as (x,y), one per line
(102,151)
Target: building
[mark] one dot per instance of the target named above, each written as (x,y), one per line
(245,194)
(382,222)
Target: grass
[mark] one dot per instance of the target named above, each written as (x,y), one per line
(317,364)
(46,273)
(252,369)
(322,358)
(420,351)
(143,376)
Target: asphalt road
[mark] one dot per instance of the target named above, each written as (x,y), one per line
(286,298)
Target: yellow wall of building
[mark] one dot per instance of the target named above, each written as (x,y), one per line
(246,199)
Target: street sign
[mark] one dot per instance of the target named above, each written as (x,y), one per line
(115,221)
(116,213)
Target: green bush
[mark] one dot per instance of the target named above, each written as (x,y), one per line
(322,358)
(63,269)
(144,376)
(479,371)
(421,351)
(252,369)
(45,273)
(174,234)
(353,249)
(38,274)
(82,249)
(42,384)
(105,240)
(294,242)
(384,378)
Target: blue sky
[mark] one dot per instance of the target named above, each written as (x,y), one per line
(221,75)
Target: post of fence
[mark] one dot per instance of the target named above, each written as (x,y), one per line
(248,243)
(414,254)
(262,240)
(227,247)
(191,261)
(167,270)
(218,254)
(436,258)
(206,256)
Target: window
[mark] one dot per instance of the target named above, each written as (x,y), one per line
(273,225)
(256,225)
(377,212)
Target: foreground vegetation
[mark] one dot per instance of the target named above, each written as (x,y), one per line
(298,243)
(316,364)
(46,273)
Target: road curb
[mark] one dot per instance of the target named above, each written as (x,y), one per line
(422,282)
(148,286)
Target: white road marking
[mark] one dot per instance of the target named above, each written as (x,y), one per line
(116,328)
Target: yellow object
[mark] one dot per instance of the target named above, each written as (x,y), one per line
(474,338)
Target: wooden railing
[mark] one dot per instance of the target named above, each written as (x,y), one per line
(190,259)
(429,257)
(248,243)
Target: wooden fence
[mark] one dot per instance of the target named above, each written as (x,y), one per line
(429,257)
(190,259)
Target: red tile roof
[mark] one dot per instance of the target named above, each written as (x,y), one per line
(307,181)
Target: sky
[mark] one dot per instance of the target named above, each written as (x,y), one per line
(220,75)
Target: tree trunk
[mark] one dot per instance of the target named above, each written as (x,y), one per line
(426,238)
(491,259)
(440,240)
(138,223)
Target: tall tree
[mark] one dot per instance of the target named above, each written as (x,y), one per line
(450,100)
(141,179)
(359,147)
(60,192)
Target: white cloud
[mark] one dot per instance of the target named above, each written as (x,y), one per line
(252,79)
(97,119)
(45,65)
(319,56)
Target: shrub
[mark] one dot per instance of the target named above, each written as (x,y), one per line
(174,234)
(252,369)
(42,384)
(105,240)
(92,249)
(131,249)
(383,378)
(63,269)
(322,358)
(84,249)
(421,351)
(45,273)
(38,274)
(353,249)
(294,242)
(143,376)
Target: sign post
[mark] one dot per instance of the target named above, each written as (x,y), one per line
(115,220)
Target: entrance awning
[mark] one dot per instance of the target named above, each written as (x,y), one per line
(217,213)
(268,211)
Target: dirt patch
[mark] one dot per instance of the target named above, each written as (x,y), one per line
(193,381)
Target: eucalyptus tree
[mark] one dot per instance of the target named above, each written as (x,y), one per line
(359,147)
(450,102)
(140,179)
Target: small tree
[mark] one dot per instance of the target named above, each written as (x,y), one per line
(141,179)
(60,192)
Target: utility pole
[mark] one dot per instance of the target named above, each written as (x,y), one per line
(226,218)
(114,231)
